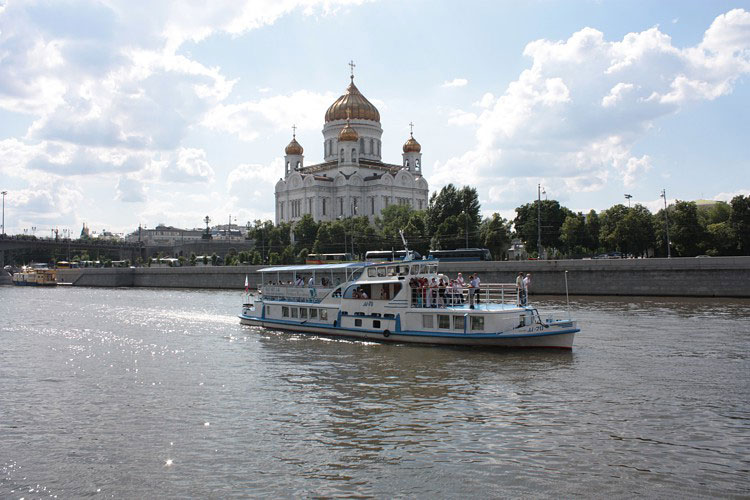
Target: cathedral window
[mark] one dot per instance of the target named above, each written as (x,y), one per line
(354,155)
(299,165)
(419,204)
(341,155)
(406,163)
(385,202)
(355,206)
(372,146)
(372,205)
(378,148)
(341,206)
(324,206)
(281,210)
(361,145)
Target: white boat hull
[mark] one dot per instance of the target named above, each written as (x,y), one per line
(552,336)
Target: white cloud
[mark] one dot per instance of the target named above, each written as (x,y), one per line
(575,114)
(189,165)
(456,82)
(130,190)
(245,120)
(246,177)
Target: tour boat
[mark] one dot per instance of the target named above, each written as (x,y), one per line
(35,277)
(388,302)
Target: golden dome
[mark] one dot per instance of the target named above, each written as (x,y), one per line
(412,146)
(348,133)
(353,102)
(294,147)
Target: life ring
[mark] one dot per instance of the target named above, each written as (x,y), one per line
(386,333)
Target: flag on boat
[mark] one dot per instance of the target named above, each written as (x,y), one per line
(247,285)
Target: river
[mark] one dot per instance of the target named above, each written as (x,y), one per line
(144,393)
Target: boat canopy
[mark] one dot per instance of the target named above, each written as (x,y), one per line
(312,267)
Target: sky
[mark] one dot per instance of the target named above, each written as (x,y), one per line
(116,114)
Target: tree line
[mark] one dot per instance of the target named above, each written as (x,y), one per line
(453,219)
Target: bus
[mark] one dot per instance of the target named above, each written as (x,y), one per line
(328,258)
(389,255)
(461,254)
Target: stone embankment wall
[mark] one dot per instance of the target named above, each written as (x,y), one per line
(706,277)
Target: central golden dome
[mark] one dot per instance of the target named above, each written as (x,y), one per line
(352,105)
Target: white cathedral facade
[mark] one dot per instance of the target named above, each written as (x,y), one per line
(352,180)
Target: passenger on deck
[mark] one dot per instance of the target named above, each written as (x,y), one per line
(519,287)
(441,293)
(383,293)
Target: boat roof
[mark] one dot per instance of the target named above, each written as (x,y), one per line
(312,267)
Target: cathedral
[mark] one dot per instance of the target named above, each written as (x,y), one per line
(352,180)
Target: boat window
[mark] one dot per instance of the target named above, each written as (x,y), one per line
(381,272)
(415,269)
(388,315)
(444,321)
(336,292)
(423,269)
(294,312)
(477,323)
(303,312)
(313,313)
(324,314)
(371,272)
(357,322)
(427,321)
(458,322)
(433,269)
(391,270)
(284,311)
(403,270)
(376,323)
(268,310)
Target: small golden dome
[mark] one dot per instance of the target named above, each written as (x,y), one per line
(352,105)
(348,133)
(412,146)
(294,147)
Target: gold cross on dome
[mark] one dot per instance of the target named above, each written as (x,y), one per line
(411,128)
(294,130)
(352,65)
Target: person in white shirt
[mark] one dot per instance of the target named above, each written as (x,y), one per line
(526,287)
(519,287)
(311,284)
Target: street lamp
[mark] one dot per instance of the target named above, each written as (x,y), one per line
(539,221)
(4,193)
(666,222)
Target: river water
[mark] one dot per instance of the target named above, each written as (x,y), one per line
(161,393)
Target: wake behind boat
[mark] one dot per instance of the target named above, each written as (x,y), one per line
(388,302)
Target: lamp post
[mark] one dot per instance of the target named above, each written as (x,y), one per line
(539,221)
(666,223)
(628,196)
(4,193)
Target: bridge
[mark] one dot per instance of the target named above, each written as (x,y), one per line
(113,249)
(65,246)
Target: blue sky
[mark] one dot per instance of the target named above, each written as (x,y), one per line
(124,113)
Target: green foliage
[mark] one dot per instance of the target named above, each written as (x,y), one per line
(495,236)
(685,230)
(552,217)
(573,233)
(193,258)
(305,232)
(274,259)
(452,216)
(739,220)
(214,259)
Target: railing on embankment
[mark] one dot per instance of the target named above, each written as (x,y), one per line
(705,277)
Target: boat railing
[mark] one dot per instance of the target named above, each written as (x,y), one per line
(294,293)
(490,293)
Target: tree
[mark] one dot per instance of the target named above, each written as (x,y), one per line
(685,230)
(639,230)
(305,232)
(612,231)
(739,219)
(592,231)
(552,217)
(192,258)
(392,219)
(495,236)
(461,205)
(214,258)
(573,234)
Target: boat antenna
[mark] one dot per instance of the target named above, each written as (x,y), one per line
(567,299)
(407,255)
